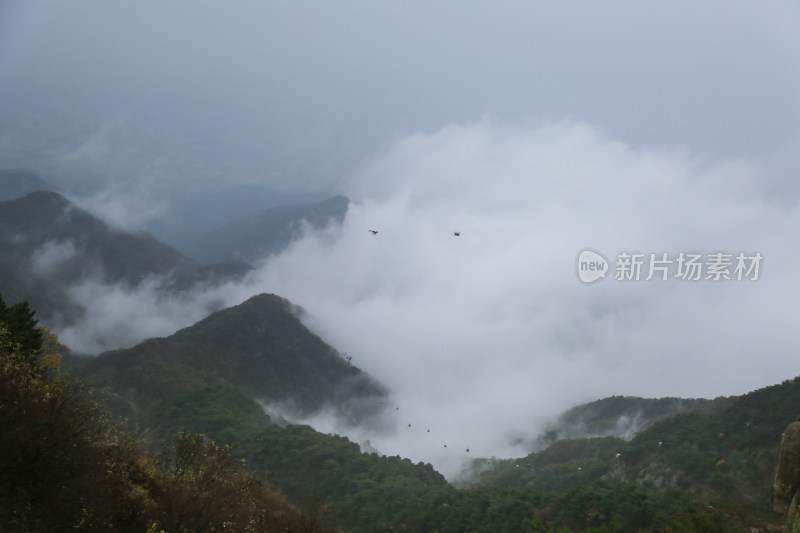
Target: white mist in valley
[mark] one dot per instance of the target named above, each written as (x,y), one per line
(484,336)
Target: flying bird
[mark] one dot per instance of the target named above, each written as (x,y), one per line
(457,233)
(374,232)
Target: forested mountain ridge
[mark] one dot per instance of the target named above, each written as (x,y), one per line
(65,466)
(722,450)
(259,347)
(615,416)
(573,485)
(680,473)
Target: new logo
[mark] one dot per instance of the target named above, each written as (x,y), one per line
(592,266)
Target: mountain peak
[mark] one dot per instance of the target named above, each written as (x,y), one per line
(259,346)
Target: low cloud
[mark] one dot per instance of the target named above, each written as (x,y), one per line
(483,337)
(48,257)
(120,317)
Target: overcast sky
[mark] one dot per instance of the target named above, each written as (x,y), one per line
(295,94)
(534,129)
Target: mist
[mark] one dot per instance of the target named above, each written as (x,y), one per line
(116,316)
(484,337)
(533,130)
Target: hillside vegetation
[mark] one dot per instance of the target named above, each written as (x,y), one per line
(259,348)
(192,396)
(65,466)
(573,484)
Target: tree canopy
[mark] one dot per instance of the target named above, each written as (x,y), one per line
(65,466)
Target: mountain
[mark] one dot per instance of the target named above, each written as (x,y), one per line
(615,416)
(728,448)
(723,450)
(259,348)
(256,237)
(206,379)
(704,465)
(80,245)
(47,244)
(18,183)
(66,466)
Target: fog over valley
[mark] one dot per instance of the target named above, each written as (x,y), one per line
(480,148)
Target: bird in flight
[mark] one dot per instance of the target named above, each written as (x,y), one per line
(457,233)
(374,232)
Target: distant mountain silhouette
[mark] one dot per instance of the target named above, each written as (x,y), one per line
(47,244)
(193,212)
(268,233)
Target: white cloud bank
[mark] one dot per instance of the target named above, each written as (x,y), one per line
(484,336)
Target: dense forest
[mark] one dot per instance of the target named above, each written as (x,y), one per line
(64,465)
(207,458)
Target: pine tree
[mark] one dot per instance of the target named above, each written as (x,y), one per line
(22,326)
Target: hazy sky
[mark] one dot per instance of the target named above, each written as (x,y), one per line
(295,94)
(535,129)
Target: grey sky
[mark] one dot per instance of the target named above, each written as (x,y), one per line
(295,94)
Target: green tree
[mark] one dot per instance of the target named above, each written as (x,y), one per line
(61,465)
(65,466)
(21,326)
